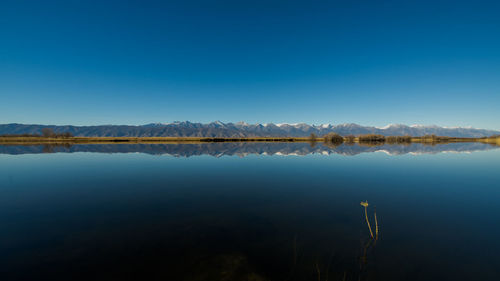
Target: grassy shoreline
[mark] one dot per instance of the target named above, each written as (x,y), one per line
(12,140)
(110,140)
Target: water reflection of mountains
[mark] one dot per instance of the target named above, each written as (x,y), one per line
(244,149)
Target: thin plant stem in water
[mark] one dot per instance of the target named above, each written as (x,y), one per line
(376,223)
(365,204)
(328,265)
(319,272)
(295,250)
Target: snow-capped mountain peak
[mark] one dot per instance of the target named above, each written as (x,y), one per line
(242,129)
(392,126)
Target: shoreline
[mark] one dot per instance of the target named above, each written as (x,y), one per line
(16,140)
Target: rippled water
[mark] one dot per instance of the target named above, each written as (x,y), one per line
(119,212)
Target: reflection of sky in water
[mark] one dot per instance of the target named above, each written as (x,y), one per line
(79,212)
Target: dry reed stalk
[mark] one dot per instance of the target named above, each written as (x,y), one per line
(365,204)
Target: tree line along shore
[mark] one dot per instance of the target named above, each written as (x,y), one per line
(48,136)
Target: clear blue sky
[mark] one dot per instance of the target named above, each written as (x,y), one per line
(373,62)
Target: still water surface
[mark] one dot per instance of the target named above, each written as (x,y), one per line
(255,212)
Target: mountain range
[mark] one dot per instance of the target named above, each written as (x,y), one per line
(242,129)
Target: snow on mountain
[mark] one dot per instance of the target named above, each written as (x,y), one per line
(392,126)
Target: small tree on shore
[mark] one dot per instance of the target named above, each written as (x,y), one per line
(371,138)
(349,139)
(312,139)
(48,132)
(333,138)
(67,135)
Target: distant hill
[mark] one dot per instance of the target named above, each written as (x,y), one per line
(241,129)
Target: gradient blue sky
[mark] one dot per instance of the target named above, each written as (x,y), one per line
(368,62)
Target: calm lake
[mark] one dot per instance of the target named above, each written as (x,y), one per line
(256,211)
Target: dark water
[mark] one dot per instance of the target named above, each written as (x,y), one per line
(282,212)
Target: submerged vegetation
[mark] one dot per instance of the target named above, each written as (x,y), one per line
(327,266)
